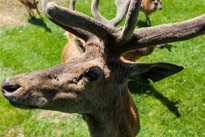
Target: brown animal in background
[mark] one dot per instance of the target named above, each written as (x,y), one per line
(150,6)
(31,4)
(75,47)
(95,83)
(133,55)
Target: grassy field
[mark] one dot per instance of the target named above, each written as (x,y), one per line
(173,107)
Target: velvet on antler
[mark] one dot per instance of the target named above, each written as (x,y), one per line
(128,38)
(122,7)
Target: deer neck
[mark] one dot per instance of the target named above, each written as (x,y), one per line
(120,120)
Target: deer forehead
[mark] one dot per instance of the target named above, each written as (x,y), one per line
(157,1)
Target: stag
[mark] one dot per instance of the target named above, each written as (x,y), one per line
(31,4)
(95,83)
(150,6)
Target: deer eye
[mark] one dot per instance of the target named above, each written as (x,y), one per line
(91,76)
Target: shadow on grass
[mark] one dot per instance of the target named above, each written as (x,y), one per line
(169,47)
(151,91)
(141,24)
(39,22)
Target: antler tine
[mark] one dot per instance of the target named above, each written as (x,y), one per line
(146,37)
(44,4)
(72,4)
(70,18)
(89,35)
(131,20)
(122,8)
(121,12)
(78,32)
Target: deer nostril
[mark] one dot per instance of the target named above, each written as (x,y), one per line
(9,87)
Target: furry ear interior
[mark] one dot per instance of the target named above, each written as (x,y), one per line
(142,72)
(80,45)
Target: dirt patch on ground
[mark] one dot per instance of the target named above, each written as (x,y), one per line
(12,132)
(52,115)
(11,14)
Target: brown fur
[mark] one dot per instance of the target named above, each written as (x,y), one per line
(97,115)
(136,54)
(90,85)
(150,6)
(70,50)
(129,111)
(133,55)
(30,5)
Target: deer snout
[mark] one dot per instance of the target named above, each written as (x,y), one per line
(159,7)
(9,87)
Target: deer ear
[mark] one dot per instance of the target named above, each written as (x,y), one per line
(142,72)
(80,45)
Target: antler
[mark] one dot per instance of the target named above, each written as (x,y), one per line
(76,31)
(174,32)
(131,21)
(121,12)
(68,18)
(72,4)
(121,40)
(89,35)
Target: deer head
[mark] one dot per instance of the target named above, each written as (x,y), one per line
(95,83)
(158,4)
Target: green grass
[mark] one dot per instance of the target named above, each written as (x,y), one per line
(174,107)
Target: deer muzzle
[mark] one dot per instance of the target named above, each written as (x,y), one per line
(42,89)
(159,7)
(8,87)
(23,91)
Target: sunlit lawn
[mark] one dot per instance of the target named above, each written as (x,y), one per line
(172,107)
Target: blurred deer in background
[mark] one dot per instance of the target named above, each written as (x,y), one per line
(150,6)
(30,5)
(133,55)
(95,83)
(74,48)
